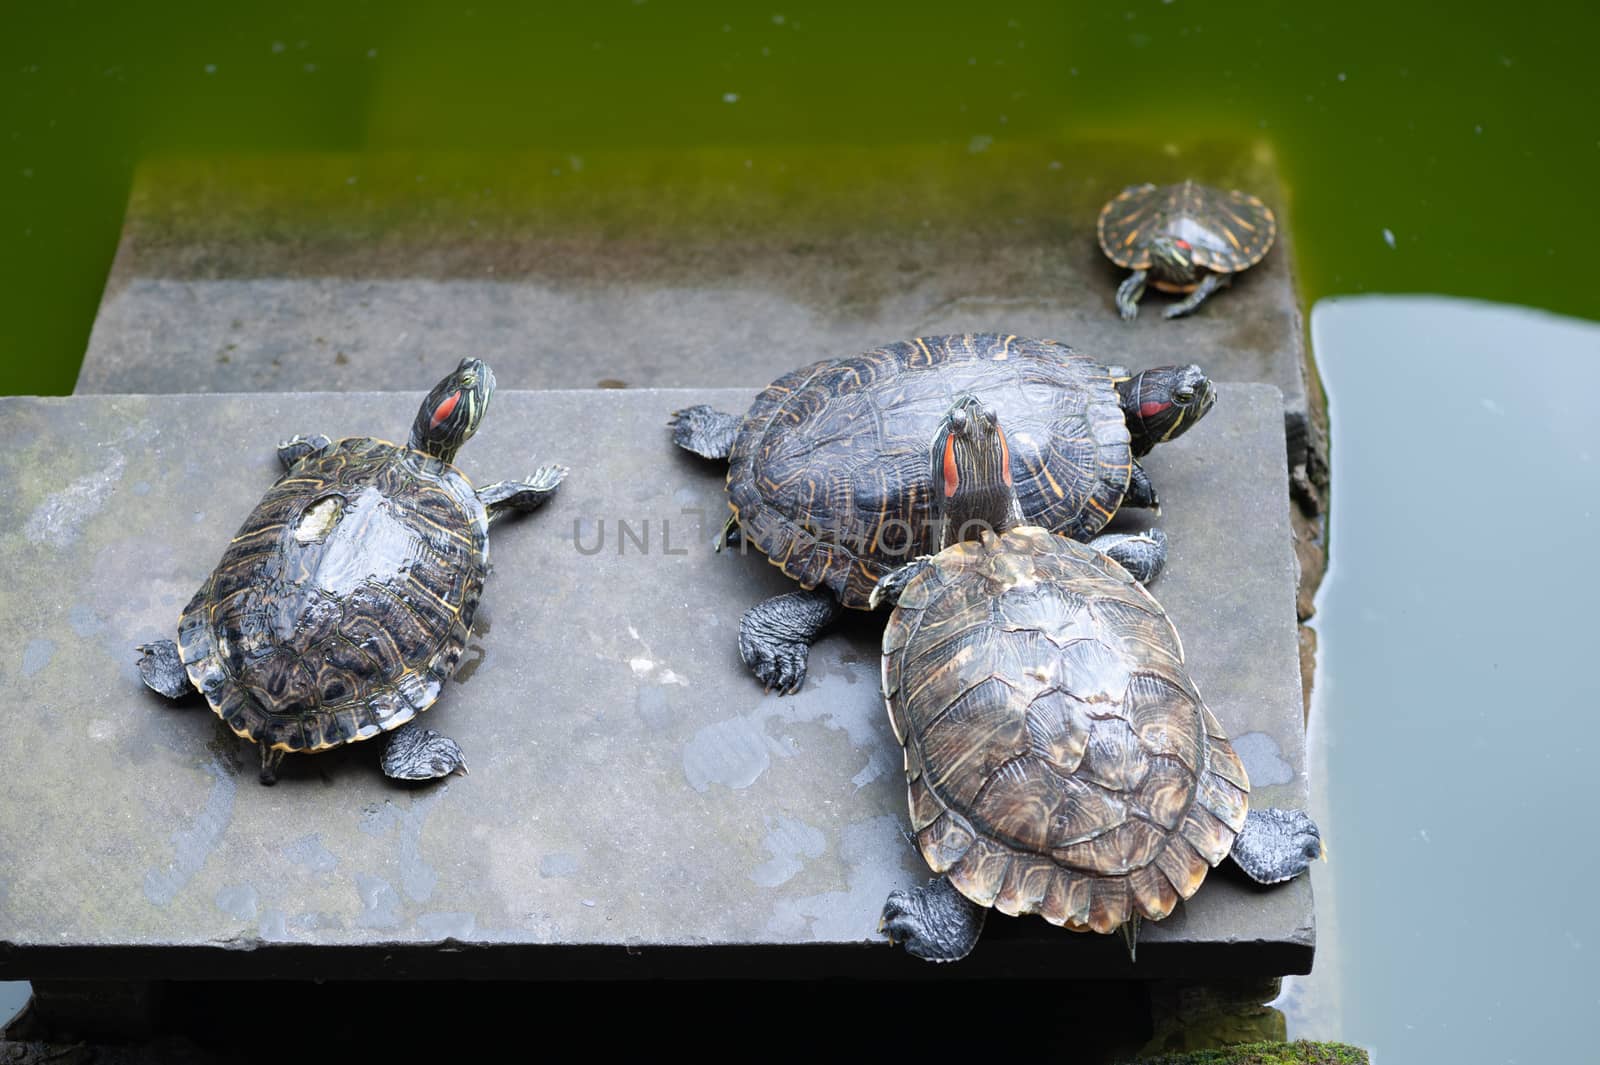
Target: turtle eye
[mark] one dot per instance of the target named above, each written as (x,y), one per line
(469,379)
(1184,395)
(958,419)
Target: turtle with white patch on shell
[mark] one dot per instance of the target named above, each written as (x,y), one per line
(346,598)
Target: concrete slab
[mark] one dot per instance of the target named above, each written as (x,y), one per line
(712,268)
(636,805)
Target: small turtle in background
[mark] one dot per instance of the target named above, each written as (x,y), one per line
(343,603)
(828,470)
(1059,760)
(1182,238)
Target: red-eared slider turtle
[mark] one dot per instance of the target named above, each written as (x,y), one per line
(1059,760)
(828,470)
(346,598)
(1183,238)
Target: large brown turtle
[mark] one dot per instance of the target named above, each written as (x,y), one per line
(828,470)
(1184,238)
(346,598)
(1059,759)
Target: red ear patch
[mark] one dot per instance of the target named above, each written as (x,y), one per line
(1185,245)
(952,476)
(442,411)
(1005,455)
(1153,407)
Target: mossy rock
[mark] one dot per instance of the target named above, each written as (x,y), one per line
(1297,1053)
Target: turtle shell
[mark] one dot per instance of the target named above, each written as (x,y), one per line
(829,473)
(344,602)
(1227,231)
(1059,760)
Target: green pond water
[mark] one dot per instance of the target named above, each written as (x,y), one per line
(1467,138)
(1423,150)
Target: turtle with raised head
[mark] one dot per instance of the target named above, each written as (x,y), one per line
(828,471)
(344,601)
(1184,238)
(1059,759)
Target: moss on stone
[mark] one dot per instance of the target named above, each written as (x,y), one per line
(375,214)
(1298,1053)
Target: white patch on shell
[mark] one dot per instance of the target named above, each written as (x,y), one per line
(319,519)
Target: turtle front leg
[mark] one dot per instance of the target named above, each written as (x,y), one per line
(934,922)
(296,448)
(1129,293)
(416,753)
(708,433)
(162,669)
(503,497)
(891,584)
(1142,554)
(1277,845)
(775,637)
(1141,494)
(1208,285)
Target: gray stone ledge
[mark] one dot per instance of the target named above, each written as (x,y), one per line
(636,805)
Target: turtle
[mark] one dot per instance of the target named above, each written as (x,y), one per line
(344,601)
(1182,238)
(828,474)
(1058,757)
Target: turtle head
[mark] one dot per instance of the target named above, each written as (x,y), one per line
(1163,403)
(453,410)
(972,473)
(1172,259)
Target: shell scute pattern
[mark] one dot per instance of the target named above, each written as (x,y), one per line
(829,473)
(1060,761)
(345,600)
(1227,230)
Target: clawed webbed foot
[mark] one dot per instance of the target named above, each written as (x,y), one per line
(299,446)
(162,669)
(547,478)
(1143,555)
(934,922)
(775,637)
(706,432)
(417,753)
(505,497)
(891,584)
(1277,845)
(780,667)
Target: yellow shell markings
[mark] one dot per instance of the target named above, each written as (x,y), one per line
(752,486)
(1171,870)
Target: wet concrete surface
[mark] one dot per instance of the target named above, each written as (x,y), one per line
(635,806)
